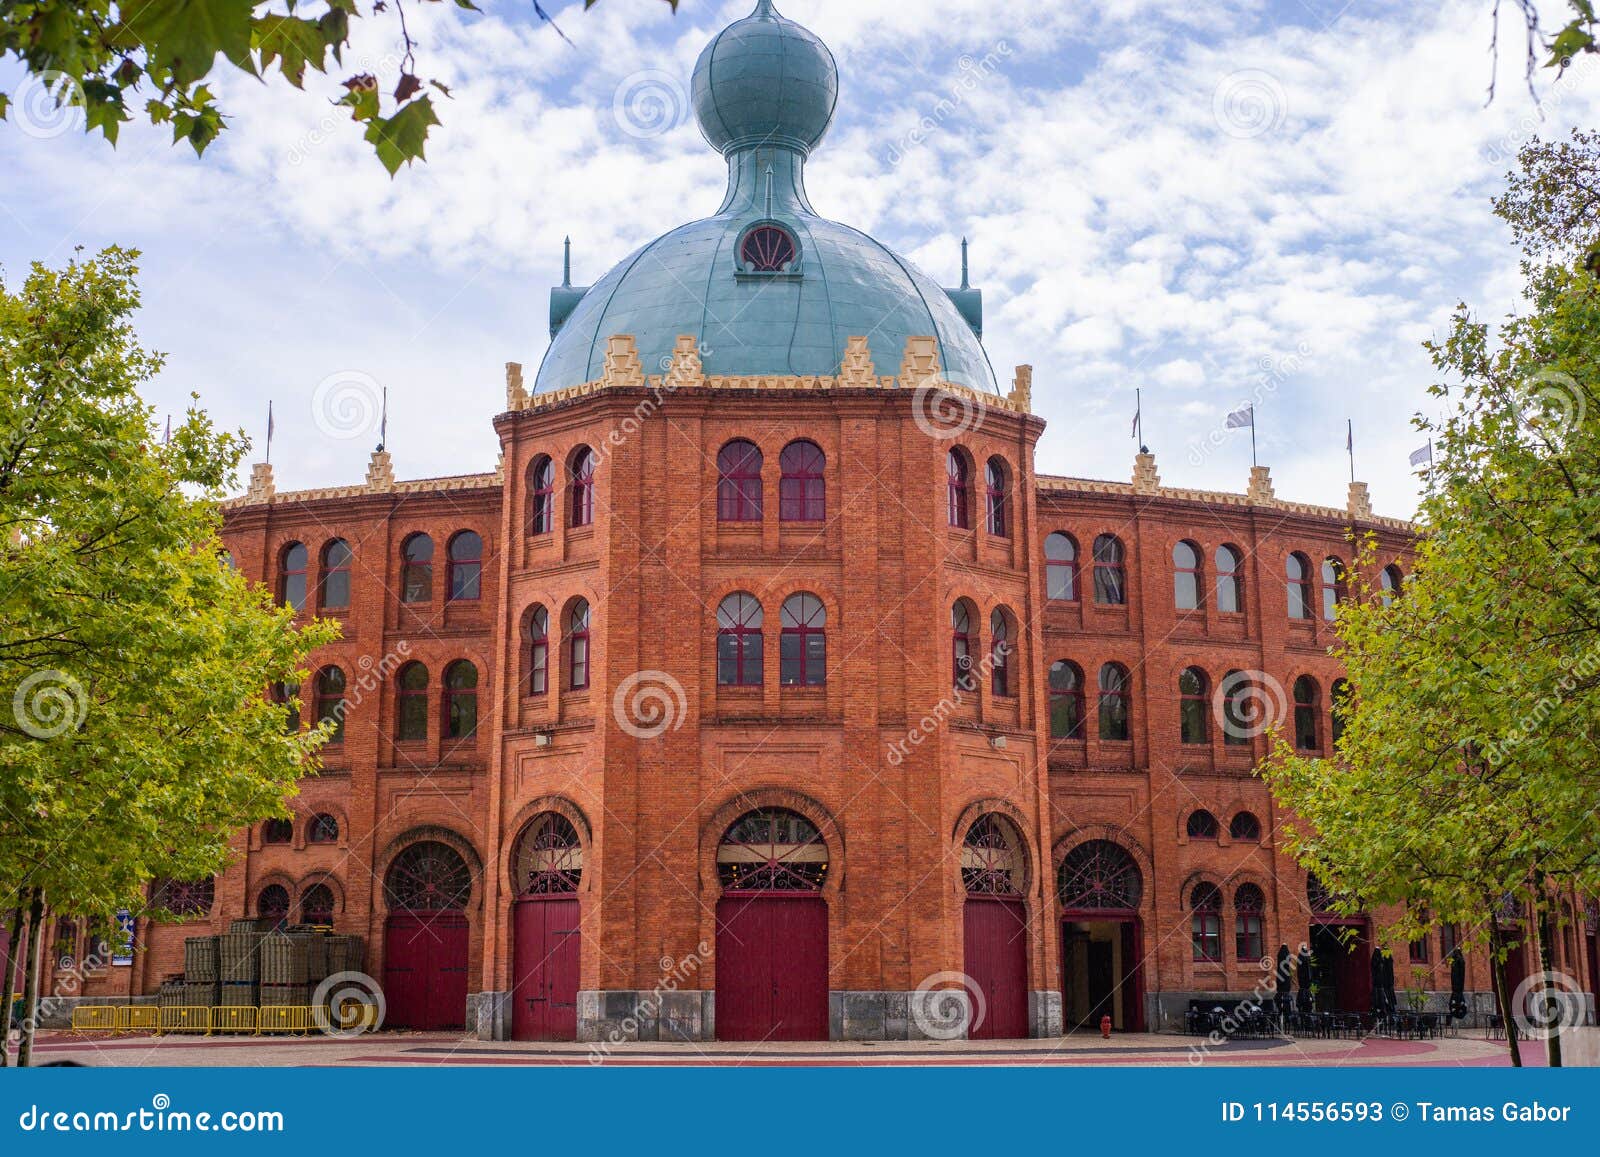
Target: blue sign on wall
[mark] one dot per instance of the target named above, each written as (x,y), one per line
(122,952)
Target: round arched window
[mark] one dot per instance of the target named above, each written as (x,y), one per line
(772,850)
(767,249)
(1099,874)
(428,877)
(991,858)
(549,857)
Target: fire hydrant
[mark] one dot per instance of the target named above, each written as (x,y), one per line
(1105,1027)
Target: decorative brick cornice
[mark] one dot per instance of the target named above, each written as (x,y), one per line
(265,494)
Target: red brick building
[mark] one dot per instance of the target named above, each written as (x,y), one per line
(764,688)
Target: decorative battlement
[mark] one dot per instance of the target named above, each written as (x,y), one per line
(380,480)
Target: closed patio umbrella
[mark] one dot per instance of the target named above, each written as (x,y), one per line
(1380,996)
(1458,984)
(1283,981)
(1390,1001)
(1303,973)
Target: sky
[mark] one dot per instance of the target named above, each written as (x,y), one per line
(1217,205)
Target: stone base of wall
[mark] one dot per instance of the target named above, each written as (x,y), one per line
(1045,1014)
(617,1016)
(489,1015)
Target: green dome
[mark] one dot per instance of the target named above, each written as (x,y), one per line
(765,80)
(765,286)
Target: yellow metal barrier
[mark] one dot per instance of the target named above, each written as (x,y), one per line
(351,1016)
(94,1018)
(138,1018)
(184,1018)
(284,1018)
(233,1018)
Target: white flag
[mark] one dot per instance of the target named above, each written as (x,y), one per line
(1423,455)
(1241,418)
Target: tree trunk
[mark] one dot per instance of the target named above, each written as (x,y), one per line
(1497,981)
(9,973)
(1541,926)
(30,985)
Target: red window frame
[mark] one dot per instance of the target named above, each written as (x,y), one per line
(1299,586)
(578,646)
(1249,943)
(323,829)
(411,704)
(740,619)
(995,501)
(739,482)
(1186,579)
(960,489)
(1333,587)
(1110,575)
(1307,735)
(582,486)
(335,573)
(1061,572)
(1060,694)
(296,574)
(1201,825)
(1229,580)
(1206,924)
(1115,697)
(1194,707)
(802,483)
(466,570)
(803,618)
(276,832)
(999,667)
(317,905)
(542,496)
(963,641)
(416,569)
(460,700)
(538,651)
(1245,826)
(328,698)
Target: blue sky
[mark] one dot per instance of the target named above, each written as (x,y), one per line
(1216,204)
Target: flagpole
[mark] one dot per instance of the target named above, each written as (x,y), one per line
(1138,417)
(269,431)
(1253,462)
(1350,445)
(383,426)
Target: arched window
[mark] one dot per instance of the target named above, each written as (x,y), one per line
(1186,576)
(767,249)
(331,704)
(1390,581)
(772,850)
(1099,875)
(283,695)
(1066,700)
(1109,588)
(1305,714)
(1245,827)
(460,700)
(580,483)
(1248,904)
(963,642)
(1298,569)
(1194,706)
(184,897)
(323,829)
(1060,567)
(273,904)
(802,496)
(428,876)
(411,703)
(1202,825)
(803,642)
(1332,587)
(991,858)
(316,906)
(541,495)
(1338,709)
(1000,653)
(416,569)
(578,646)
(292,575)
(1230,581)
(1205,901)
(1240,698)
(739,650)
(960,489)
(277,831)
(1114,702)
(739,482)
(466,566)
(538,651)
(549,857)
(334,594)
(995,481)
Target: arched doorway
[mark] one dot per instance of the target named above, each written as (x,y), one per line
(546,870)
(425,942)
(995,928)
(772,929)
(1341,953)
(1102,938)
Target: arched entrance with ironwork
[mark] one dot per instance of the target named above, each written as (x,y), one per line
(1099,886)
(1341,953)
(427,888)
(995,928)
(772,929)
(546,870)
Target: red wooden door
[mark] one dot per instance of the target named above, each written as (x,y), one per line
(1132,976)
(772,968)
(546,950)
(996,954)
(1353,986)
(425,970)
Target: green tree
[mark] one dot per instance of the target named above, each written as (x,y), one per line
(136,736)
(109,57)
(1467,769)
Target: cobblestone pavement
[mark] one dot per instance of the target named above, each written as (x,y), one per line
(398,1048)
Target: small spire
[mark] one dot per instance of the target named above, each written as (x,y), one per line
(764,9)
(769,190)
(566,264)
(964,284)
